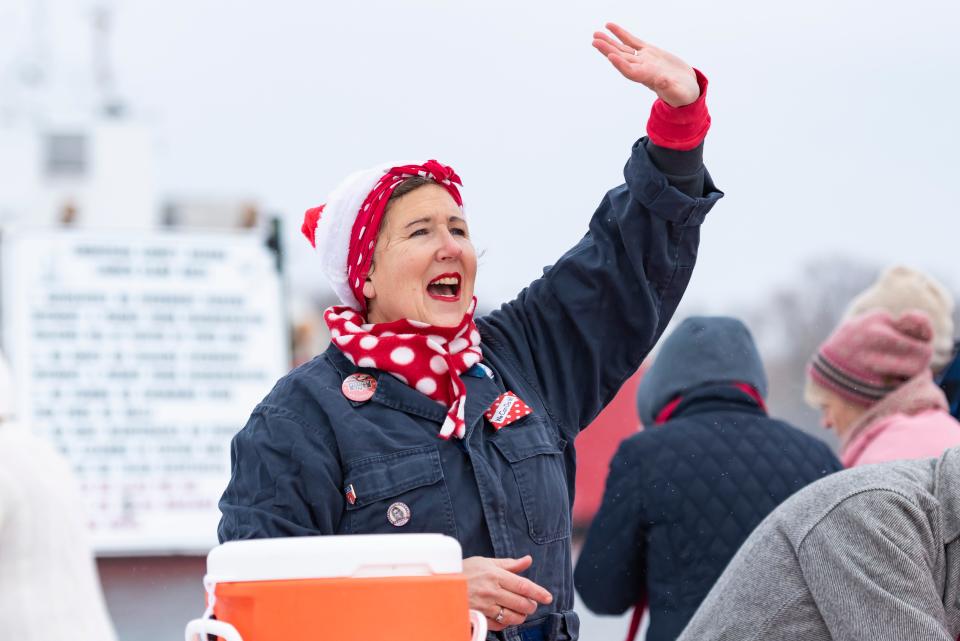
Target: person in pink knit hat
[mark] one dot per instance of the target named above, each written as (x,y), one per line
(871,381)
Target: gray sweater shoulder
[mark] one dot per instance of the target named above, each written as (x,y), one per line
(764,592)
(805,510)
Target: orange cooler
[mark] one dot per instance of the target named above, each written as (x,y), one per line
(373,587)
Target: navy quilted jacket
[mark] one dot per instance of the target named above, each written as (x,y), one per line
(683,496)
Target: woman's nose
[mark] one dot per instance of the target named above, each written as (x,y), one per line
(449,249)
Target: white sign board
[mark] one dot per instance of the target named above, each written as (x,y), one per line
(140,355)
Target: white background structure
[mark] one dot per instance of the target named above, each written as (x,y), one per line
(834,125)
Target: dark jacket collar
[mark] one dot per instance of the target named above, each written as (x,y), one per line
(716,398)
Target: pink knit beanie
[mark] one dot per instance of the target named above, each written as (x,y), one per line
(899,289)
(870,355)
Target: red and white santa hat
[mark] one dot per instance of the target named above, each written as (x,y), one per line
(344,230)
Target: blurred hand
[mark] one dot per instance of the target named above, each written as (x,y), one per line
(668,76)
(493,584)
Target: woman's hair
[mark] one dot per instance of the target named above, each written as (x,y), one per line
(410,184)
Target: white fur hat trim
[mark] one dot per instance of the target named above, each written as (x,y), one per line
(332,236)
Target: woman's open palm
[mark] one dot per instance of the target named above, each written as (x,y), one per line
(672,79)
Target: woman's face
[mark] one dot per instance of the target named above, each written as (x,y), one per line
(424,265)
(837,413)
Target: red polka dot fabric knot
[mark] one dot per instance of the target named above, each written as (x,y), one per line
(434,170)
(427,358)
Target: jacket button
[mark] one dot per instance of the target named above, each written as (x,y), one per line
(398,514)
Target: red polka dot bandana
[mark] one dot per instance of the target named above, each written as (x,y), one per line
(368,218)
(427,358)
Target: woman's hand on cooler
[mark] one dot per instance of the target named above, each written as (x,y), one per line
(673,80)
(499,593)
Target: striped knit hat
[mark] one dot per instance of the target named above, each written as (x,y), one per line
(869,356)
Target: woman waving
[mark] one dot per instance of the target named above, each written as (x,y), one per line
(422,417)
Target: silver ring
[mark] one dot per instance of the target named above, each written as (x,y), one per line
(499,617)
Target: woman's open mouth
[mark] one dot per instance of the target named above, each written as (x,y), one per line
(445,287)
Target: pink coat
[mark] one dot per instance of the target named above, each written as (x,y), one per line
(902,436)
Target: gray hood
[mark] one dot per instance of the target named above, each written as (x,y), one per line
(702,350)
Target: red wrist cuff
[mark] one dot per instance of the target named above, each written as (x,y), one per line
(680,128)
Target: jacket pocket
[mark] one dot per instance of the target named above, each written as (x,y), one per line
(537,463)
(399,492)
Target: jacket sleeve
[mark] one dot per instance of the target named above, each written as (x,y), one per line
(286,479)
(611,571)
(868,566)
(578,332)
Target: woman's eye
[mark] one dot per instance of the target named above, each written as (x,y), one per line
(458,232)
(418,232)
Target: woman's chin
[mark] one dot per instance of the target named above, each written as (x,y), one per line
(448,316)
(447,320)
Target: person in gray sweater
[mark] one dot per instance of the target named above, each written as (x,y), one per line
(865,554)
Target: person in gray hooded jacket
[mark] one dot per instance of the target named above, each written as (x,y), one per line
(869,553)
(684,494)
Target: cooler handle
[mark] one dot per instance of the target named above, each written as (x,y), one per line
(479,623)
(198,629)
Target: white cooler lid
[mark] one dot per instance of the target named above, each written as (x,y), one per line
(325,557)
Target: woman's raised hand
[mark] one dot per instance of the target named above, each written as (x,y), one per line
(668,76)
(496,590)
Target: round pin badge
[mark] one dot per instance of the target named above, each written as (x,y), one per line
(398,514)
(359,387)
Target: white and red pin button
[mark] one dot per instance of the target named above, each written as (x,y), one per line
(398,514)
(506,409)
(359,387)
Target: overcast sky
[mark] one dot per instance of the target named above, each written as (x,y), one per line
(835,127)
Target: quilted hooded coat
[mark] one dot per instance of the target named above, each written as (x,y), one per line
(683,495)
